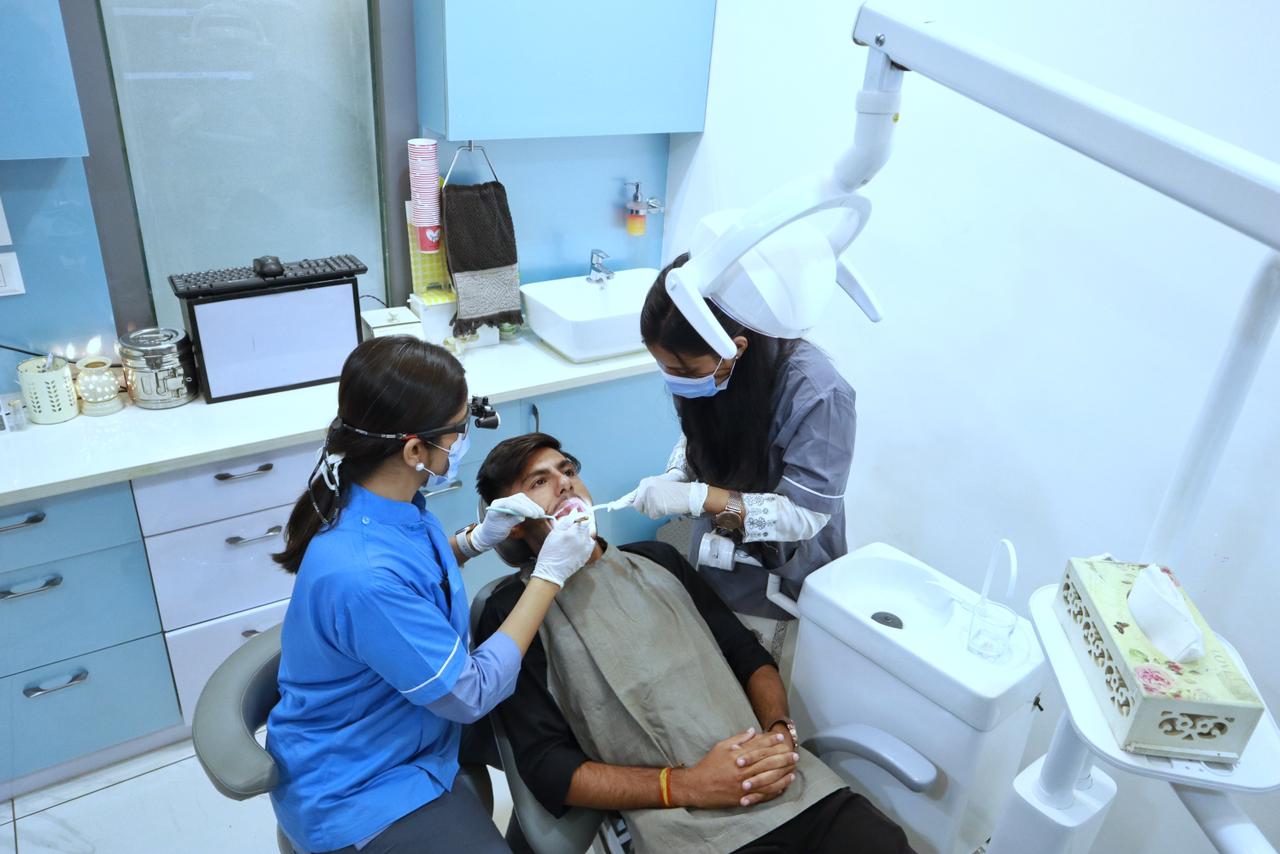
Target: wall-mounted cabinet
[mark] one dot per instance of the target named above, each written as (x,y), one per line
(39,110)
(562,68)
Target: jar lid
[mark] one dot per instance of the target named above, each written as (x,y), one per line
(153,341)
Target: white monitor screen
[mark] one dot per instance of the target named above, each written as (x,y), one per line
(256,343)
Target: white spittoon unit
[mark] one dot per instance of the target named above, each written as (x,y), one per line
(883,645)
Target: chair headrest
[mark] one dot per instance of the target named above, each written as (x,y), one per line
(234,704)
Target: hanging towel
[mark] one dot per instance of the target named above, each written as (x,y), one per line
(482,256)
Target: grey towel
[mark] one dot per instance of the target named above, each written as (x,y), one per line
(481,251)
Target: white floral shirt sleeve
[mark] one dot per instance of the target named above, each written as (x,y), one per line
(676,462)
(776,519)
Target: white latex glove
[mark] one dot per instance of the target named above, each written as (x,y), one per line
(566,549)
(657,497)
(503,515)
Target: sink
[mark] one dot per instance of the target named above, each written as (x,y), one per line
(584,321)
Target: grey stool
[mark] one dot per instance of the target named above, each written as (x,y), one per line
(234,705)
(571,834)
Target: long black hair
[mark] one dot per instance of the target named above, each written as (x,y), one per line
(728,433)
(395,384)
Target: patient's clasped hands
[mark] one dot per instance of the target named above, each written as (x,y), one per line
(741,771)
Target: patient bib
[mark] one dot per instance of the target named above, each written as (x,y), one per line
(641,681)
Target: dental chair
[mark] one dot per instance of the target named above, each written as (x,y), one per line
(234,705)
(574,832)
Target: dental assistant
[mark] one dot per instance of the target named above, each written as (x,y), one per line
(376,671)
(763,459)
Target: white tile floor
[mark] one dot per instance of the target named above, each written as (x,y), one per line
(153,804)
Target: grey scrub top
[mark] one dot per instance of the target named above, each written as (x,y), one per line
(810,452)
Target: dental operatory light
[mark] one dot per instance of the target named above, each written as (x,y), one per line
(1227,183)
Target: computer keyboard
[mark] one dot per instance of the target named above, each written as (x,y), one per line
(235,279)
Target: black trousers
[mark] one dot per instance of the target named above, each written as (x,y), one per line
(841,823)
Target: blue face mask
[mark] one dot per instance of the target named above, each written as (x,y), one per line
(456,452)
(691,387)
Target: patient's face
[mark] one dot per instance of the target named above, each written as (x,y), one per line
(553,482)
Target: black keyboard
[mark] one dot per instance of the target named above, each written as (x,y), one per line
(236,279)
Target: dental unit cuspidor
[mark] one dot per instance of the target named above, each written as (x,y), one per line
(775,270)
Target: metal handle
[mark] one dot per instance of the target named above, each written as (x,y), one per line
(537,418)
(32,520)
(454,485)
(50,582)
(240,541)
(248,633)
(598,255)
(262,469)
(77,678)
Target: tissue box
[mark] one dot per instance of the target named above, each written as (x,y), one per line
(1203,709)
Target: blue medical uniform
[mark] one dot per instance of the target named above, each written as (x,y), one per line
(370,638)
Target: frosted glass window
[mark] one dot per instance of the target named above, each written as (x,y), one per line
(250,131)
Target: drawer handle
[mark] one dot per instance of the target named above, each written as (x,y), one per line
(242,541)
(78,678)
(455,485)
(17,592)
(262,469)
(249,633)
(29,522)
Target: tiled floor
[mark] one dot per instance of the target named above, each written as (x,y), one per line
(153,804)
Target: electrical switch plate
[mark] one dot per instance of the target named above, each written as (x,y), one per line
(10,275)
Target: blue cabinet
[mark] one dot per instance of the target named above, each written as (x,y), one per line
(65,710)
(39,110)
(562,68)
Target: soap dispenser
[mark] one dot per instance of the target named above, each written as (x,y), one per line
(638,208)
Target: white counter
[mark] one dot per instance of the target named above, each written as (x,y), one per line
(86,451)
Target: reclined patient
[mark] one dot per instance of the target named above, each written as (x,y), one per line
(640,667)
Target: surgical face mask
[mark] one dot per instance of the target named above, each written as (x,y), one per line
(456,451)
(693,387)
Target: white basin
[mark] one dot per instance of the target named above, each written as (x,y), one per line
(584,321)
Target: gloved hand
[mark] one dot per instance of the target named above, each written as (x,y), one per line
(566,549)
(659,496)
(503,515)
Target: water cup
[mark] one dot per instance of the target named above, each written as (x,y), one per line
(991,630)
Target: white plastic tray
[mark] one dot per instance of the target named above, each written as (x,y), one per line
(1257,771)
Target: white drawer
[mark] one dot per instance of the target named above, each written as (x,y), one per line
(196,651)
(192,496)
(220,568)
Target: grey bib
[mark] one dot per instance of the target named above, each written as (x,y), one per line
(641,681)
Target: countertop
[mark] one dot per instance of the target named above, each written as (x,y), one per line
(86,451)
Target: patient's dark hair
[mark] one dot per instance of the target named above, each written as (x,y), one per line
(504,464)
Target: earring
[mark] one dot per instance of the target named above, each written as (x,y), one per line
(420,467)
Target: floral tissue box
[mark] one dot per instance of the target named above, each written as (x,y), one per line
(1203,709)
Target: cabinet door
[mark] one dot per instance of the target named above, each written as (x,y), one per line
(85,704)
(70,607)
(38,93)
(563,68)
(621,431)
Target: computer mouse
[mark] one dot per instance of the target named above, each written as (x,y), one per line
(268,266)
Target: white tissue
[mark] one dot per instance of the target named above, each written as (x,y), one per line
(1161,612)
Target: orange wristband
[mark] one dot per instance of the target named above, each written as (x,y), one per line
(664,786)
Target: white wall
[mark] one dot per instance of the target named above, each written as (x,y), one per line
(1050,327)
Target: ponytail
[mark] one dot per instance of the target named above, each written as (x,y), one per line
(396,384)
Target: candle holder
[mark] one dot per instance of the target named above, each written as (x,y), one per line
(98,387)
(47,391)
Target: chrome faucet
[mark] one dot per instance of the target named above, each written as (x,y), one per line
(599,273)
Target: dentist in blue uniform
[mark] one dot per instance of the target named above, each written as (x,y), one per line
(376,671)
